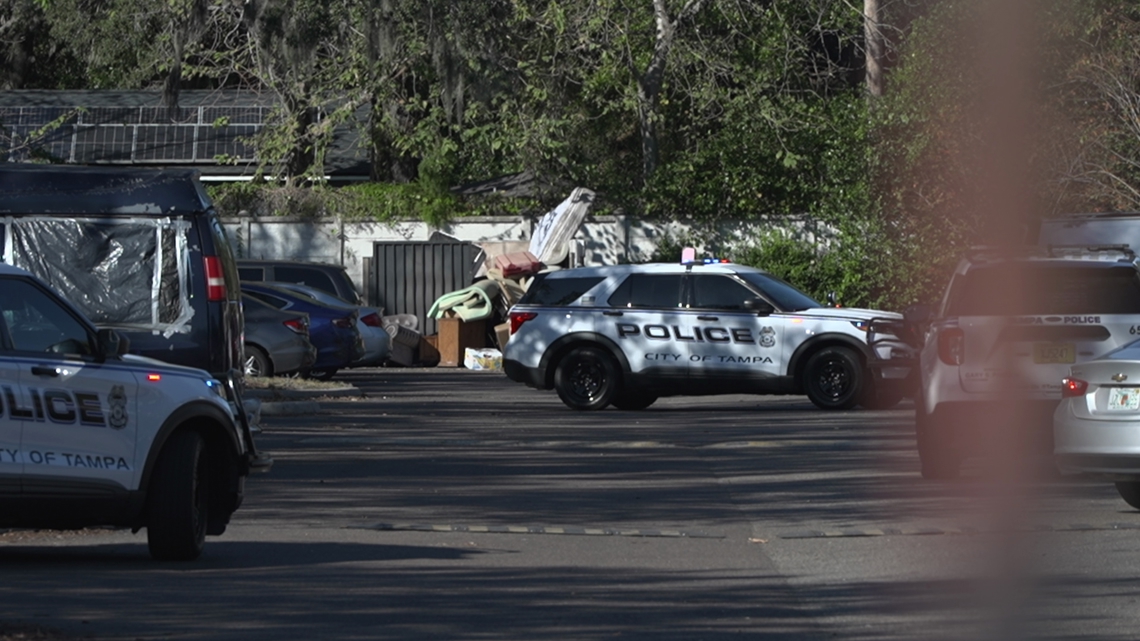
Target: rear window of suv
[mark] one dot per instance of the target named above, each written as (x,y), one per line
(1021,289)
(554,292)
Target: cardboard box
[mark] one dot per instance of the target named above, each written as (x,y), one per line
(455,336)
(502,334)
(429,352)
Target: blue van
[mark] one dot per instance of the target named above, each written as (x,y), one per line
(138,250)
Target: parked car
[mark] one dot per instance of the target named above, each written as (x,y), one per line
(1009,328)
(333,279)
(276,342)
(332,329)
(625,335)
(92,436)
(1096,428)
(377,342)
(138,250)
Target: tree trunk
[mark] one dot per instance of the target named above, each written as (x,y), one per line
(873,45)
(650,82)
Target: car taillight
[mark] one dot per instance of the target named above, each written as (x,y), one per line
(518,318)
(298,325)
(344,323)
(952,346)
(1071,387)
(372,320)
(215,279)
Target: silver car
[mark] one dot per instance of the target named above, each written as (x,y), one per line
(1096,428)
(276,341)
(377,342)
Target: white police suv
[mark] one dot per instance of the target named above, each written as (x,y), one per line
(1010,324)
(92,436)
(625,335)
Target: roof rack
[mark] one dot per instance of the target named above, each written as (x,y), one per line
(1125,253)
(1086,251)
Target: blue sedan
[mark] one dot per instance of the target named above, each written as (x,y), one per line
(332,328)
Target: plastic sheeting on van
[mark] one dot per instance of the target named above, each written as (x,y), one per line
(128,273)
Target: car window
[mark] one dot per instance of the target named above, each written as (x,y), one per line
(302,276)
(781,294)
(1044,289)
(717,291)
(251,273)
(38,323)
(268,299)
(557,291)
(661,291)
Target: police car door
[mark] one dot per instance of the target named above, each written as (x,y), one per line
(646,321)
(734,343)
(78,414)
(11,466)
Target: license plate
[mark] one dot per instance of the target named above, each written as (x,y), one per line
(1124,398)
(1044,353)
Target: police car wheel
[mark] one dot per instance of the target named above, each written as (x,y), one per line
(178,501)
(633,401)
(1130,492)
(586,378)
(257,362)
(936,455)
(833,378)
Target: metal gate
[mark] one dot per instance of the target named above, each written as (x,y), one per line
(407,277)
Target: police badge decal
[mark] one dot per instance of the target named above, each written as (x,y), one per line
(767,337)
(117,404)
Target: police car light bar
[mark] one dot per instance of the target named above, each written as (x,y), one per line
(689,258)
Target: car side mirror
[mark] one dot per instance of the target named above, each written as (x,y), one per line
(112,343)
(759,305)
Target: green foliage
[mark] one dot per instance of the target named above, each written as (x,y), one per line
(817,272)
(420,200)
(382,202)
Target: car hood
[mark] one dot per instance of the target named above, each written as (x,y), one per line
(846,313)
(144,361)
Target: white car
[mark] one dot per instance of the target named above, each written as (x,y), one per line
(92,436)
(1096,428)
(625,335)
(1009,327)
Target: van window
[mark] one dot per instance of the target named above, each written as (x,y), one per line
(251,273)
(123,272)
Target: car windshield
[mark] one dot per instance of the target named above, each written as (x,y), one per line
(784,296)
(1028,289)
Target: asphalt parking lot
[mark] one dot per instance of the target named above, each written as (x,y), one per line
(457,505)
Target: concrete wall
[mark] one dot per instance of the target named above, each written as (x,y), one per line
(604,239)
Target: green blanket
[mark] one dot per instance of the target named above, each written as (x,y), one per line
(469,304)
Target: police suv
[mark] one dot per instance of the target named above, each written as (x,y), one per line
(92,436)
(1009,326)
(625,335)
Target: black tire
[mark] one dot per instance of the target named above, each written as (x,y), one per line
(586,378)
(633,401)
(257,362)
(178,500)
(875,397)
(321,374)
(936,454)
(833,378)
(1130,492)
